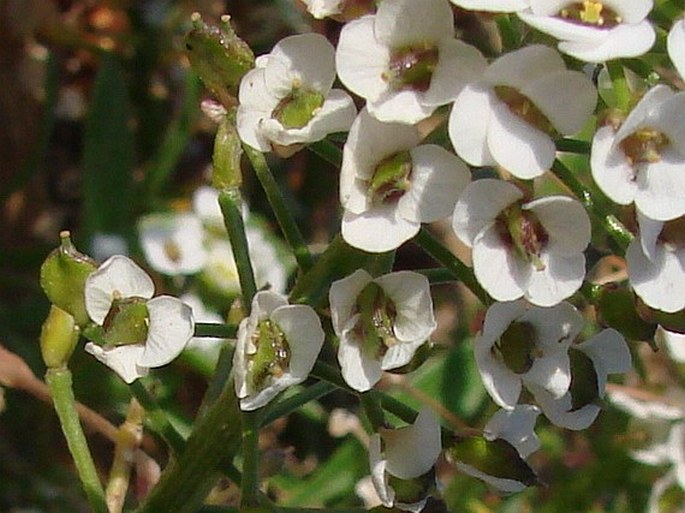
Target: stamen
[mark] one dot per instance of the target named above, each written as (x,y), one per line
(590,12)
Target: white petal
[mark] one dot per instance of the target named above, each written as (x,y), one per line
(437,179)
(182,231)
(413,450)
(517,146)
(560,413)
(552,372)
(468,124)
(377,230)
(516,427)
(499,483)
(254,95)
(323,8)
(122,360)
(668,118)
(400,354)
(379,478)
(265,302)
(610,168)
(249,127)
(492,5)
(660,282)
(479,204)
(649,234)
(497,268)
(675,344)
(609,354)
(561,277)
(171,328)
(644,409)
(562,29)
(303,331)
(556,327)
(676,46)
(361,60)
(660,191)
(359,371)
(520,67)
(621,41)
(501,383)
(565,220)
(309,58)
(401,23)
(118,274)
(404,106)
(641,113)
(343,296)
(498,318)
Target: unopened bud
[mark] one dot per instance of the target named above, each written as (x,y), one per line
(63,278)
(226,173)
(58,338)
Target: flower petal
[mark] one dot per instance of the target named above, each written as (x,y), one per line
(171,328)
(516,427)
(468,124)
(622,41)
(359,371)
(378,476)
(377,230)
(676,46)
(521,67)
(660,191)
(565,220)
(610,168)
(401,23)
(308,58)
(412,451)
(343,296)
(123,360)
(303,331)
(609,354)
(560,413)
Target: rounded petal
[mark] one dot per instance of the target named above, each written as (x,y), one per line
(610,168)
(558,27)
(171,327)
(660,191)
(358,370)
(609,354)
(560,411)
(622,41)
(400,354)
(551,372)
(248,125)
(123,360)
(642,113)
(265,302)
(404,106)
(379,478)
(556,327)
(303,331)
(675,344)
(517,146)
(479,204)
(565,220)
(516,427)
(183,232)
(438,177)
(412,451)
(499,483)
(561,277)
(468,124)
(492,5)
(501,383)
(377,230)
(521,67)
(254,95)
(342,297)
(309,59)
(676,46)
(402,23)
(120,275)
(659,282)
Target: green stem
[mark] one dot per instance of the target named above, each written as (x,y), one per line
(330,374)
(250,478)
(59,381)
(620,85)
(188,478)
(371,403)
(572,146)
(510,37)
(289,405)
(327,151)
(609,222)
(212,330)
(437,276)
(230,203)
(158,420)
(285,220)
(434,248)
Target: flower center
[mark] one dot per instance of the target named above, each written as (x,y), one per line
(298,108)
(644,146)
(516,347)
(584,388)
(411,67)
(522,107)
(272,357)
(377,318)
(522,230)
(172,250)
(127,322)
(590,12)
(390,179)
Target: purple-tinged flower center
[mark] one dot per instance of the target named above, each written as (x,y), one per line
(644,146)
(522,107)
(523,231)
(412,67)
(517,348)
(272,358)
(590,12)
(390,179)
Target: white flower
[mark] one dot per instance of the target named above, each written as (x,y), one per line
(406,453)
(381,322)
(206,207)
(287,99)
(277,347)
(492,5)
(173,243)
(515,427)
(508,117)
(532,250)
(523,344)
(594,30)
(609,354)
(656,263)
(139,332)
(389,185)
(404,59)
(642,161)
(674,342)
(323,8)
(676,46)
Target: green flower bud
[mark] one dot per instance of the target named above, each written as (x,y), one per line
(63,278)
(617,309)
(58,338)
(218,56)
(226,173)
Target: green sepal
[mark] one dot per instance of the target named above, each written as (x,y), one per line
(496,458)
(63,279)
(584,387)
(226,172)
(616,308)
(58,338)
(218,56)
(126,323)
(410,491)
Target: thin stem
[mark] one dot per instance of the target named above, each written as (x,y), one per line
(213,330)
(230,203)
(289,405)
(327,151)
(572,146)
(510,37)
(250,478)
(371,403)
(609,222)
(620,85)
(327,372)
(437,276)
(434,248)
(59,381)
(285,220)
(158,419)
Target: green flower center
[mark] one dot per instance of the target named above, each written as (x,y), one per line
(644,146)
(377,318)
(298,108)
(411,67)
(522,107)
(127,322)
(390,179)
(272,358)
(522,230)
(517,348)
(590,12)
